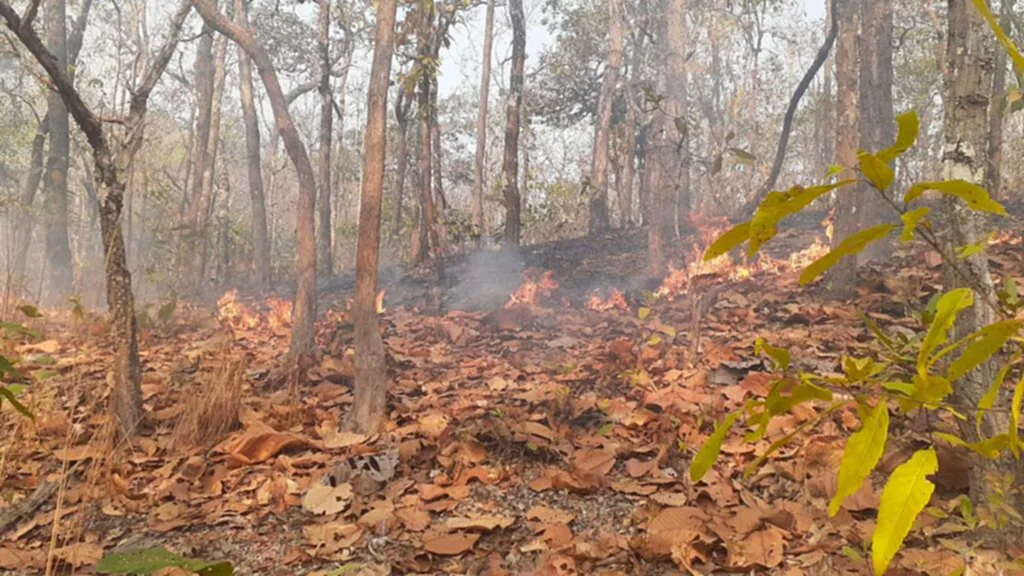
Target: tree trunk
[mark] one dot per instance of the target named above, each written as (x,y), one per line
(60,282)
(599,221)
(260,241)
(841,281)
(323,240)
(877,120)
(341,199)
(370,403)
(970,54)
(479,223)
(993,169)
(512,119)
(212,147)
(305,292)
(678,107)
(24,223)
(223,231)
(199,201)
(402,106)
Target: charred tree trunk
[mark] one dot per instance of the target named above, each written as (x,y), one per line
(599,221)
(260,239)
(841,281)
(997,111)
(323,240)
(305,292)
(370,403)
(512,120)
(60,281)
(479,221)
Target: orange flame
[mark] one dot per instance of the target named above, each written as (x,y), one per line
(234,313)
(617,300)
(536,285)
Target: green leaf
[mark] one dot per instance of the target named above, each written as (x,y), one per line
(978,247)
(930,389)
(742,156)
(878,173)
(1011,49)
(643,312)
(850,246)
(779,205)
(155,559)
(778,355)
(1018,396)
(946,311)
(989,399)
(904,497)
(863,451)
(989,448)
(30,311)
(834,169)
(910,221)
(985,343)
(734,237)
(708,453)
(7,393)
(967,512)
(909,126)
(976,197)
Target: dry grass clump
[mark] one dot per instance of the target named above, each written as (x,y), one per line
(212,410)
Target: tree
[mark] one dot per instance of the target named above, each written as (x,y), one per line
(678,106)
(210,155)
(842,280)
(58,245)
(260,238)
(112,164)
(599,221)
(370,402)
(202,189)
(510,165)
(479,222)
(993,169)
(305,291)
(402,104)
(629,125)
(323,240)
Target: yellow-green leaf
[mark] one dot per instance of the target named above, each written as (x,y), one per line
(742,156)
(643,312)
(850,246)
(985,343)
(1018,396)
(976,197)
(875,170)
(909,126)
(910,221)
(779,205)
(1011,49)
(7,393)
(30,311)
(989,399)
(780,356)
(834,169)
(708,453)
(930,389)
(726,242)
(989,448)
(978,247)
(863,450)
(949,305)
(904,497)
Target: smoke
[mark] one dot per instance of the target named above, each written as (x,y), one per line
(488,279)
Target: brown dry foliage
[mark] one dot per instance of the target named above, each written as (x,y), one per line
(213,410)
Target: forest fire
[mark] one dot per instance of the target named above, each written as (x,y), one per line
(536,286)
(617,300)
(234,313)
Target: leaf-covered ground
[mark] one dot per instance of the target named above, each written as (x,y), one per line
(552,436)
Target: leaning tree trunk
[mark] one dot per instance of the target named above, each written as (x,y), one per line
(997,111)
(599,221)
(323,240)
(970,53)
(841,281)
(479,222)
(370,402)
(305,292)
(260,239)
(60,281)
(512,120)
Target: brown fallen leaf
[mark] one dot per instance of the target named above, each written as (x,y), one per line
(21,560)
(594,462)
(673,526)
(333,536)
(259,443)
(671,499)
(550,515)
(433,424)
(324,499)
(633,487)
(762,548)
(451,544)
(482,523)
(413,518)
(81,554)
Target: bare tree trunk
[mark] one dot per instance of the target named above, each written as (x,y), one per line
(657,154)
(479,222)
(198,204)
(323,241)
(439,196)
(678,105)
(223,230)
(970,54)
(305,292)
(260,240)
(60,283)
(997,111)
(841,281)
(512,119)
(877,119)
(212,147)
(402,105)
(340,196)
(24,223)
(370,403)
(599,221)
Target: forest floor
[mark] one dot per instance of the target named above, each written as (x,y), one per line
(539,423)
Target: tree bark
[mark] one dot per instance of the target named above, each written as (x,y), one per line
(512,120)
(993,169)
(210,156)
(223,231)
(323,241)
(402,105)
(970,55)
(841,281)
(60,282)
(678,106)
(111,169)
(199,201)
(260,239)
(370,403)
(305,292)
(599,221)
(479,223)
(629,128)
(24,223)
(877,119)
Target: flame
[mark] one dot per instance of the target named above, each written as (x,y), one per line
(616,300)
(536,285)
(380,302)
(280,315)
(234,313)
(830,225)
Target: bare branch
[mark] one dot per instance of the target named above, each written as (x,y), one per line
(30,13)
